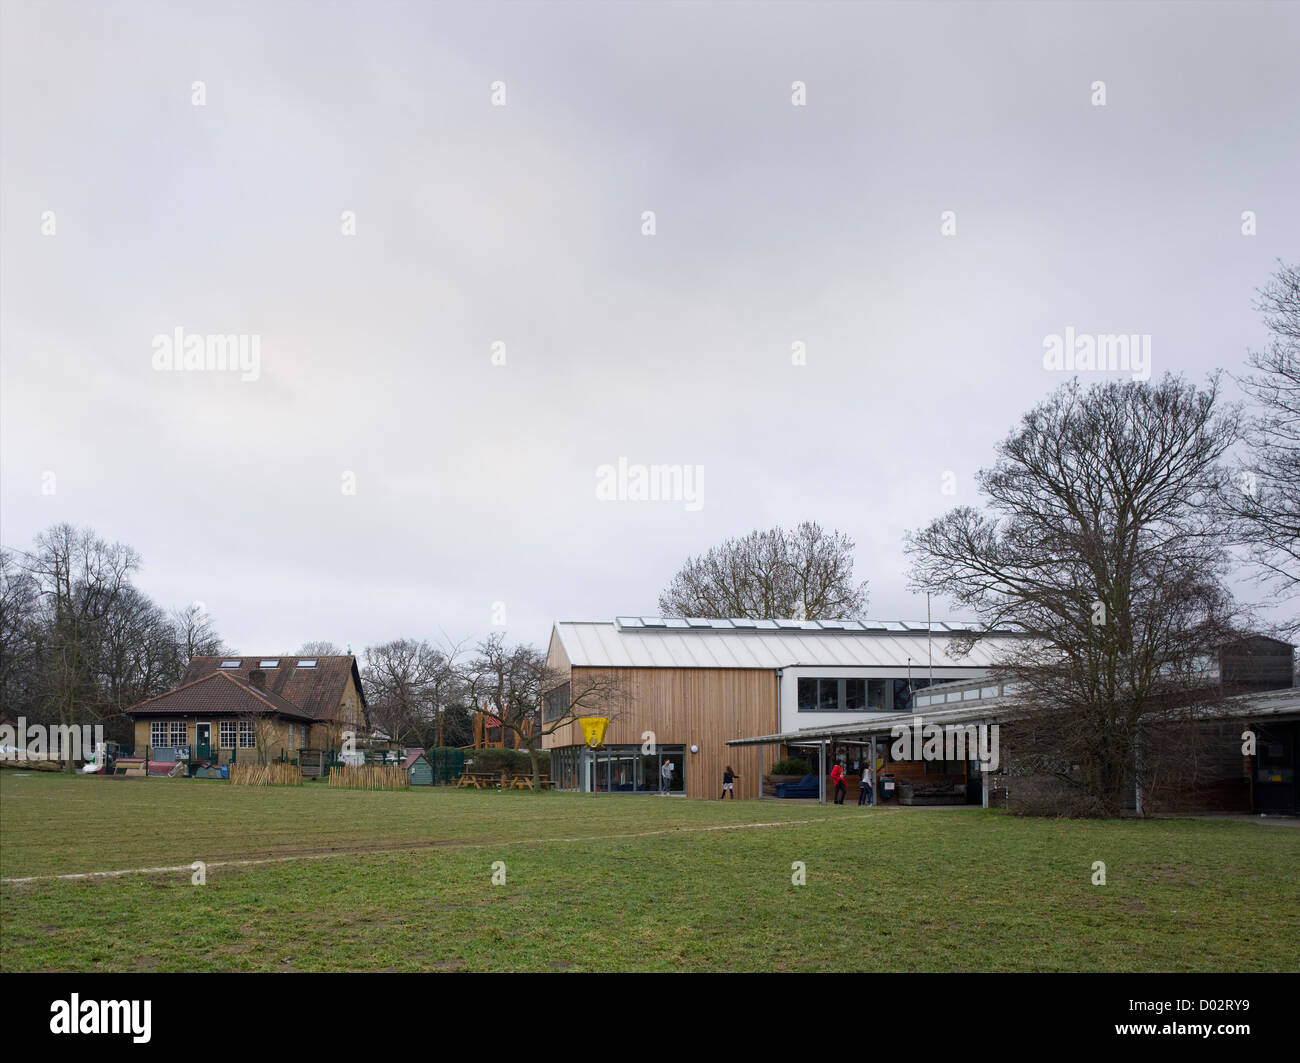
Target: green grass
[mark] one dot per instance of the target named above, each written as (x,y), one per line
(402,881)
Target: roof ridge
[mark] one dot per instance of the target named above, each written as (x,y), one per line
(174,690)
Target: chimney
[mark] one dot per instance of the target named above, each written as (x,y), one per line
(257,678)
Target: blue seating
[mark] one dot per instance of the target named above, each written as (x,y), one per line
(805,787)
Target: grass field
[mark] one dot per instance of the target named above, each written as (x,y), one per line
(334,880)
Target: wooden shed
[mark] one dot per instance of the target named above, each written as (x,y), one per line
(419,768)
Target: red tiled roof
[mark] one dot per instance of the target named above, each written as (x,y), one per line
(411,758)
(316,691)
(218,694)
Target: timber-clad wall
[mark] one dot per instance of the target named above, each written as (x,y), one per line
(690,706)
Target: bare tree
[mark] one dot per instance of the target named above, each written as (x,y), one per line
(805,573)
(267,732)
(140,652)
(79,578)
(1100,542)
(516,688)
(409,685)
(196,634)
(20,643)
(317,649)
(1265,499)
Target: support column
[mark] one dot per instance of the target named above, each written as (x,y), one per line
(821,773)
(760,773)
(875,775)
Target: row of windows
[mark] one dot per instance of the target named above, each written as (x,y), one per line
(232,734)
(858,695)
(557,704)
(619,769)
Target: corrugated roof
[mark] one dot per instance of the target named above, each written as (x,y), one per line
(653,642)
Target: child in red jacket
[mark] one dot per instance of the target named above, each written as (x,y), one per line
(837,777)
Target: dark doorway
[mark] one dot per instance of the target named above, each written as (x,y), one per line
(1275,766)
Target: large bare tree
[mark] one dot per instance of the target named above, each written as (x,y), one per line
(805,573)
(1100,541)
(20,637)
(409,686)
(79,579)
(1265,497)
(196,633)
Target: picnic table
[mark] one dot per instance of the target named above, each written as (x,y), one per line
(525,782)
(488,780)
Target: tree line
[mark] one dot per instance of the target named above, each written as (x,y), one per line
(79,641)
(1112,518)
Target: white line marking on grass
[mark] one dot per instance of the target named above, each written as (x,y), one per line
(405,849)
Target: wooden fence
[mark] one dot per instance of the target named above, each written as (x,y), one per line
(265,775)
(370,777)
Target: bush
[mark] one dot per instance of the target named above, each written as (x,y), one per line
(790,766)
(515,761)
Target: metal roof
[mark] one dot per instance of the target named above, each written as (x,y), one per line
(655,642)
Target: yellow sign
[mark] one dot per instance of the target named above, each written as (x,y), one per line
(593,729)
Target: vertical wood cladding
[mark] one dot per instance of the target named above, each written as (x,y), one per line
(690,706)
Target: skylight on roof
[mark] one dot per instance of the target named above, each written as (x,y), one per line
(307,664)
(229,664)
(269,664)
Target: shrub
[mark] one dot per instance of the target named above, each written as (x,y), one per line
(790,766)
(511,760)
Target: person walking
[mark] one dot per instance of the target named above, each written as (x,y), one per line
(837,777)
(666,778)
(728,779)
(864,786)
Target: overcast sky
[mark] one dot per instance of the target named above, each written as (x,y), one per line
(475,223)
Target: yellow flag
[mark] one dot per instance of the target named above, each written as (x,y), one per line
(593,729)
